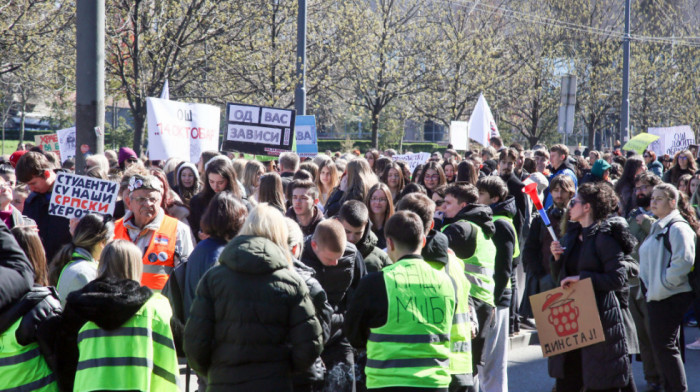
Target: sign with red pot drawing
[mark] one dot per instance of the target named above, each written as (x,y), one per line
(567,319)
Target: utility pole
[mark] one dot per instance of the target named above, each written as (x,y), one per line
(300,92)
(90,81)
(625,112)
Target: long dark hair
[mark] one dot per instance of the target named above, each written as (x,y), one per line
(90,231)
(271,190)
(629,172)
(466,172)
(28,239)
(223,167)
(224,216)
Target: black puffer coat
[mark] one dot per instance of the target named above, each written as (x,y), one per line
(252,322)
(375,258)
(602,258)
(339,282)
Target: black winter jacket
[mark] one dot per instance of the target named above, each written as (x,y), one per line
(334,203)
(375,258)
(339,282)
(324,313)
(53,230)
(515,189)
(252,322)
(461,235)
(504,239)
(16,272)
(606,364)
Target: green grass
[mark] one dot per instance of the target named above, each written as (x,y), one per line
(8,147)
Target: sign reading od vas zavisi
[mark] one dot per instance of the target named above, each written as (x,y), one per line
(258,130)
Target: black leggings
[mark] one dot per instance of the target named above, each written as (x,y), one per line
(573,376)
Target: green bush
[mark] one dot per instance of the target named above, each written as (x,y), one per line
(364,145)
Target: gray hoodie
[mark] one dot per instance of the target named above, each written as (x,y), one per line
(661,278)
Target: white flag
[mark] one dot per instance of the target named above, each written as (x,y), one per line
(165,94)
(482,126)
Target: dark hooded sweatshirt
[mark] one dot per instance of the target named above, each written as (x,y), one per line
(504,239)
(461,235)
(375,258)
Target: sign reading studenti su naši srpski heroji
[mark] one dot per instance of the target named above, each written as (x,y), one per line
(74,196)
(258,130)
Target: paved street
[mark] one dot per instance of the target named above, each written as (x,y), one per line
(527,369)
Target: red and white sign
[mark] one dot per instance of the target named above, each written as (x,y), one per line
(182,130)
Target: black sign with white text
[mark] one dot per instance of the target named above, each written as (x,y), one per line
(258,130)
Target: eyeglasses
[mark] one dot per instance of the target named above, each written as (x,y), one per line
(132,160)
(682,158)
(573,202)
(143,200)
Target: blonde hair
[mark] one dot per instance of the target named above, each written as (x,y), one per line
(121,259)
(295,237)
(264,221)
(250,173)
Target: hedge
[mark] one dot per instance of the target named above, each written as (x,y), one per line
(364,145)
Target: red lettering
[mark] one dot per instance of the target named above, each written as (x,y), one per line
(103,208)
(66,200)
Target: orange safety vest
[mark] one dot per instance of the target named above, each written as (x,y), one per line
(159,259)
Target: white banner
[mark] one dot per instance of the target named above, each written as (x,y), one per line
(66,143)
(182,130)
(74,196)
(671,139)
(459,135)
(413,160)
(482,126)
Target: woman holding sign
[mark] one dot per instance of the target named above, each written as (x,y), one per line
(595,247)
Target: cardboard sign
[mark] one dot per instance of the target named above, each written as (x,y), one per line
(672,139)
(259,130)
(305,131)
(182,130)
(459,135)
(567,319)
(74,196)
(48,143)
(413,160)
(66,143)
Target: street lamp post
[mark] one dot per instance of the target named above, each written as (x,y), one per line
(625,112)
(300,92)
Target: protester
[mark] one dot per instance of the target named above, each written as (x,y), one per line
(666,258)
(354,216)
(359,178)
(437,253)
(469,228)
(594,248)
(683,163)
(393,178)
(99,162)
(188,182)
(542,161)
(251,178)
(652,163)
(467,172)
(559,158)
(372,156)
(9,214)
(310,168)
(640,221)
(625,185)
(433,176)
(271,191)
(219,176)
(30,243)
(35,170)
(494,193)
(27,361)
(304,210)
(381,207)
(683,184)
(376,321)
(124,320)
(163,240)
(339,268)
(252,322)
(449,166)
(288,164)
(75,265)
(19,196)
(327,180)
(311,379)
(127,157)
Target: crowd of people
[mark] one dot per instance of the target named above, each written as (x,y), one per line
(344,272)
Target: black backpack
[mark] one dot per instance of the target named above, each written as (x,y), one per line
(692,275)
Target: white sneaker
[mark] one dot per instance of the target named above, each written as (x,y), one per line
(693,346)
